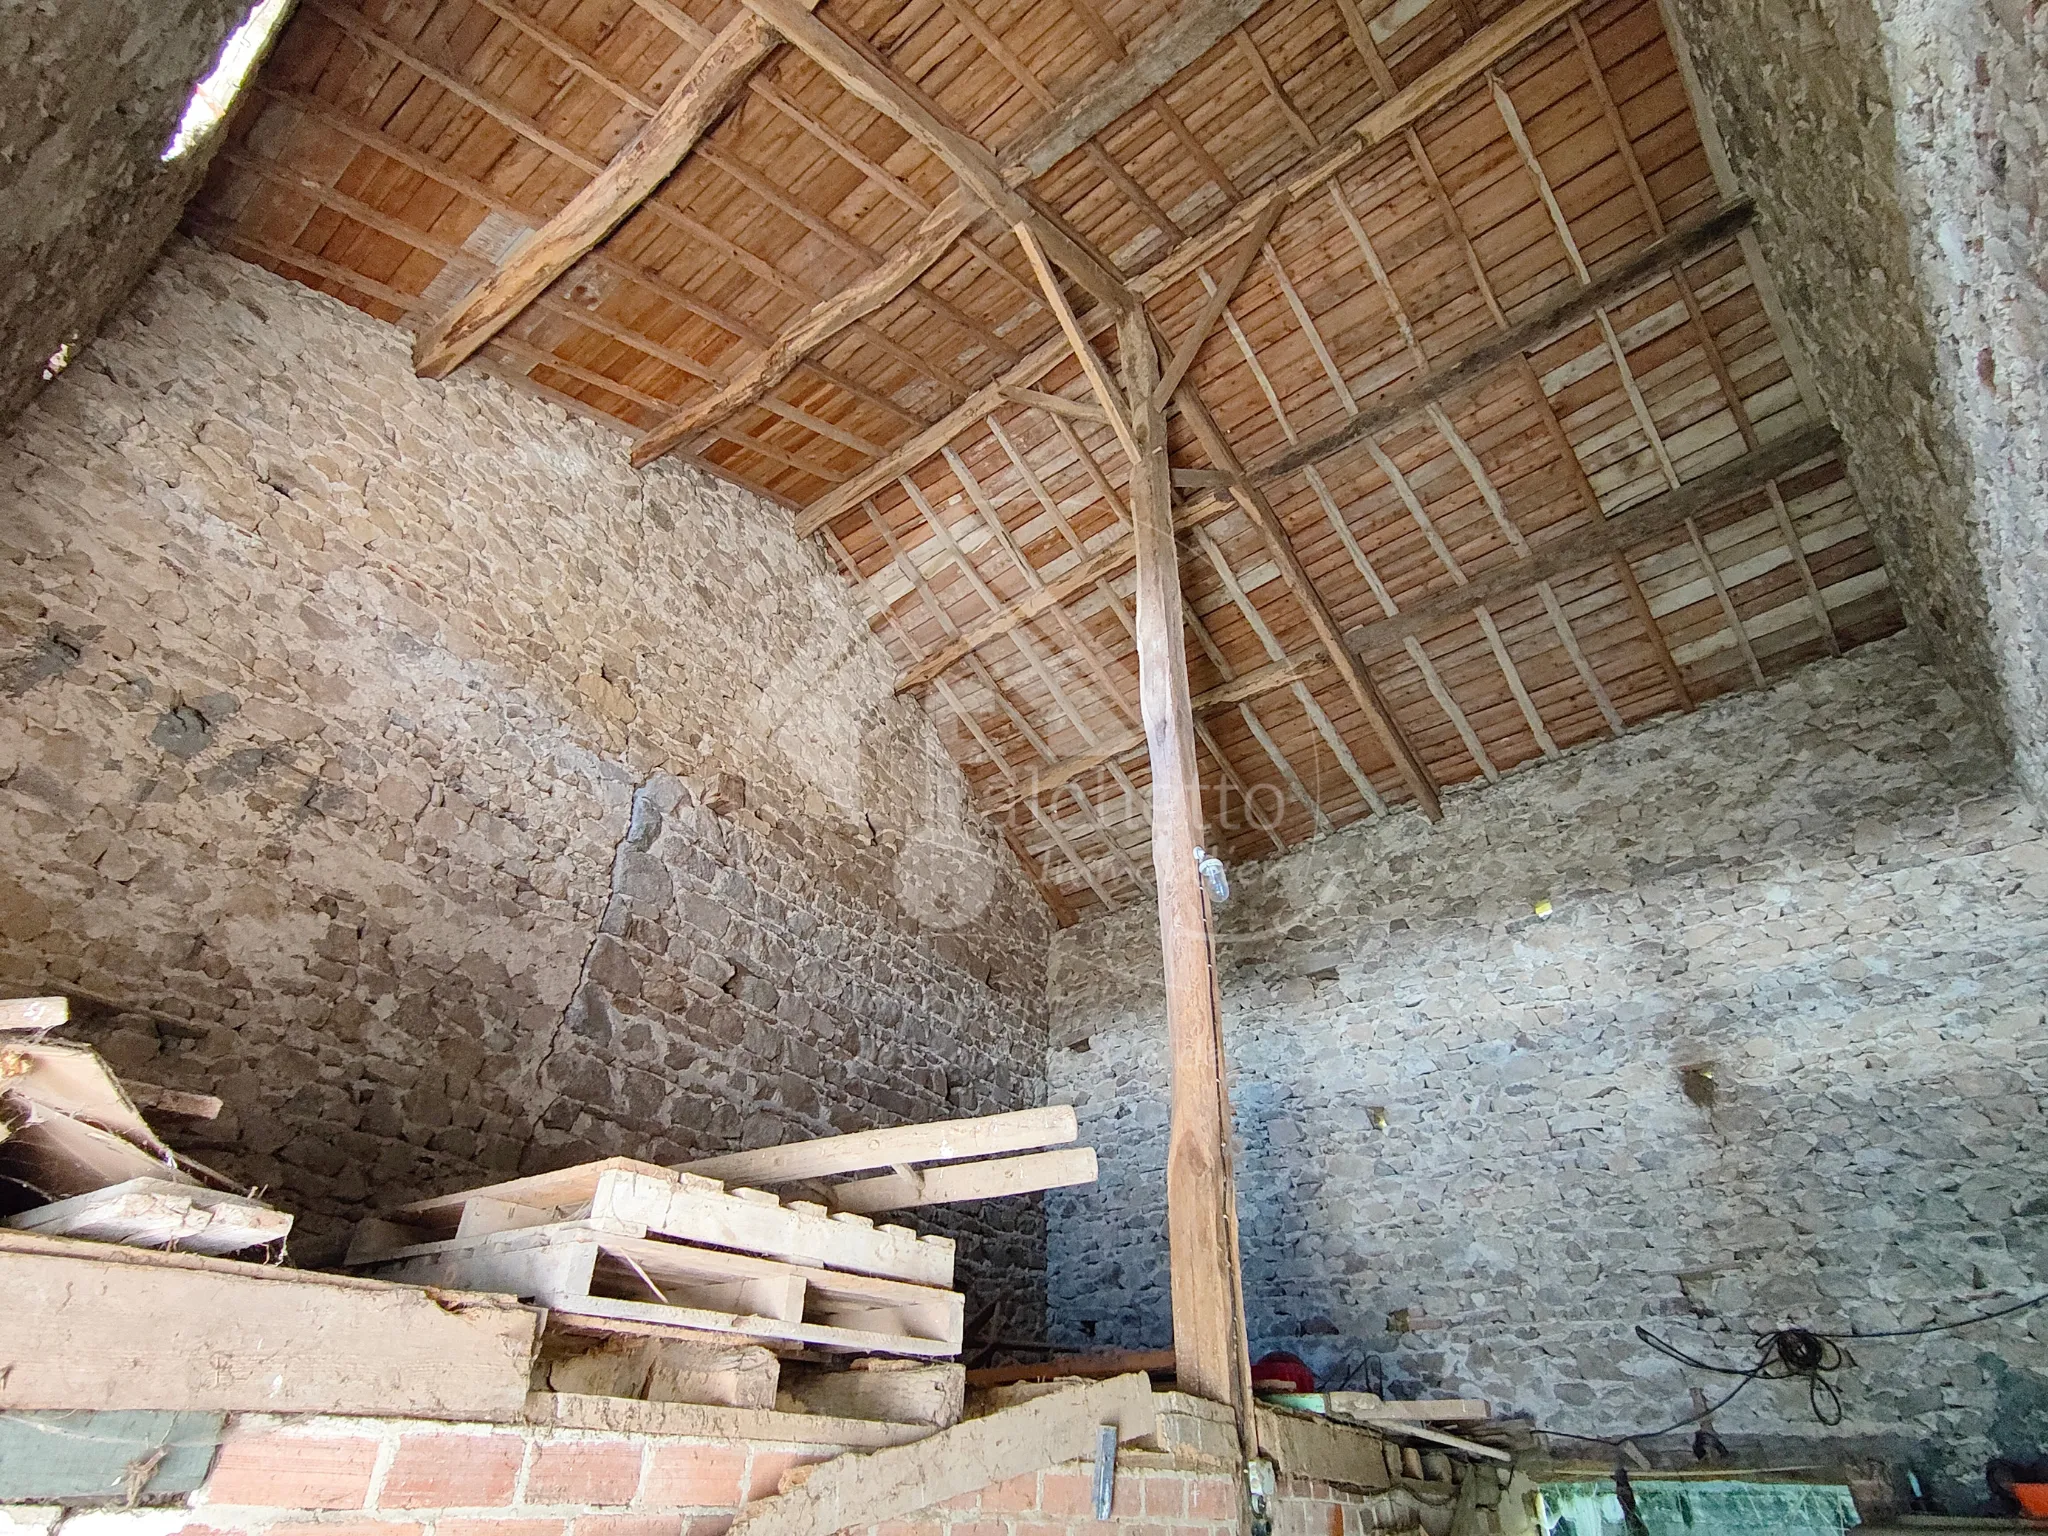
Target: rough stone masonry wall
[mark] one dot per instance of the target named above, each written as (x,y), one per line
(376,746)
(1898,153)
(89,96)
(1829,894)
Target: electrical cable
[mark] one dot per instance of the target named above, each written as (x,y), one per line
(1788,1354)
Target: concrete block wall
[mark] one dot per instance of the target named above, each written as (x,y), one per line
(392,760)
(1472,1158)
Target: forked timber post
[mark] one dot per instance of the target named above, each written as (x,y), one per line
(1211,1358)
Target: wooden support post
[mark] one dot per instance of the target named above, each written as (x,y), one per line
(1208,1307)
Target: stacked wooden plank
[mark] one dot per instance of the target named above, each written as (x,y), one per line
(939,1164)
(77,1159)
(620,1246)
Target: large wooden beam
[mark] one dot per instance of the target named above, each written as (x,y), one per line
(932,238)
(1459,68)
(1201,1216)
(1593,543)
(867,75)
(105,1326)
(1020,1130)
(1560,317)
(702,97)
(1196,27)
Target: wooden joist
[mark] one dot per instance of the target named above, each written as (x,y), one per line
(94,1325)
(1111,1362)
(933,237)
(1464,369)
(868,76)
(1432,89)
(1022,1130)
(1196,27)
(155,1213)
(952,1183)
(1596,543)
(703,96)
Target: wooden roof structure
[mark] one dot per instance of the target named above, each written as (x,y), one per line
(1485,439)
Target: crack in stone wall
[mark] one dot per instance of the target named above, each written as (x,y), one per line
(380,743)
(1471,1150)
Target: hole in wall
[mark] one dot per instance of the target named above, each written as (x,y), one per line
(213,95)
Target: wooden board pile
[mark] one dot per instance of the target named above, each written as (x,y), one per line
(77,1159)
(684,1285)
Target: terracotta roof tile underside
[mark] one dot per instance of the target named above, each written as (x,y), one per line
(1603,477)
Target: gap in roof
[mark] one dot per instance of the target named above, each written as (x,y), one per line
(212,96)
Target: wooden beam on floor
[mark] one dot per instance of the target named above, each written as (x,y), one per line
(700,99)
(1207,1285)
(932,238)
(1591,544)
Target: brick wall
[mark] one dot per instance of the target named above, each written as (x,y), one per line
(1471,1155)
(372,1477)
(455,801)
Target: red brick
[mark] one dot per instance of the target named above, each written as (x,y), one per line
(1013,1497)
(1212,1498)
(583,1472)
(293,1471)
(509,1527)
(1067,1493)
(628,1525)
(764,1478)
(441,1471)
(977,1528)
(707,1525)
(909,1528)
(1166,1496)
(694,1477)
(348,1528)
(968,1502)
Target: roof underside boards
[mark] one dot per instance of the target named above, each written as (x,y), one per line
(1512,339)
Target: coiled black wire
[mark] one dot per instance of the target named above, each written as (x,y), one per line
(1788,1354)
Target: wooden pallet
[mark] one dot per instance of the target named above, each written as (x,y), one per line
(636,1199)
(593,1272)
(156,1213)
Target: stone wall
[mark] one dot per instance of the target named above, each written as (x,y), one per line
(1898,153)
(89,96)
(1473,1156)
(455,801)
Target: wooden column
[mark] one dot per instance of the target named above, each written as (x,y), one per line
(1209,1347)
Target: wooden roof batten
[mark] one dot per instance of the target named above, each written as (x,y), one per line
(1483,443)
